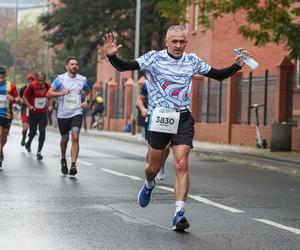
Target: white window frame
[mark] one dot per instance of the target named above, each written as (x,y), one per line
(187,18)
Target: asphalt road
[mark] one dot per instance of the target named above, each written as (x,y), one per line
(230,206)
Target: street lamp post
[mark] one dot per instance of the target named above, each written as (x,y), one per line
(136,54)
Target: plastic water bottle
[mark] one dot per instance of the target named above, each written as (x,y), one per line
(247,59)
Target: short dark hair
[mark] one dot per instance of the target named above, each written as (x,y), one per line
(40,73)
(72,58)
(2,70)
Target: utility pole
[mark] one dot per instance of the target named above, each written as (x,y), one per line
(16,40)
(136,55)
(45,10)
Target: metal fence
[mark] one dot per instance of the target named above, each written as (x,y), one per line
(213,101)
(256,90)
(103,92)
(119,102)
(292,84)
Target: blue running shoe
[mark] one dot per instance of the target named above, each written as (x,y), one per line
(180,222)
(145,195)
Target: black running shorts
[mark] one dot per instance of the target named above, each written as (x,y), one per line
(5,123)
(184,136)
(66,124)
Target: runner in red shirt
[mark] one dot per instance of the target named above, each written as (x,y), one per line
(24,108)
(35,99)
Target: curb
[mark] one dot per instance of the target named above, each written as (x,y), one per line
(266,162)
(262,161)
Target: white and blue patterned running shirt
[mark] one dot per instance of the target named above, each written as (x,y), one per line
(169,79)
(76,86)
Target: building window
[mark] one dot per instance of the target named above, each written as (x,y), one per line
(187,18)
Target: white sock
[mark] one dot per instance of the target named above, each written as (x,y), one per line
(179,205)
(149,184)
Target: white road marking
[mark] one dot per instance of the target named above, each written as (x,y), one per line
(206,201)
(166,188)
(274,224)
(69,157)
(84,162)
(195,197)
(121,174)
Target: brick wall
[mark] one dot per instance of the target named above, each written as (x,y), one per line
(216,45)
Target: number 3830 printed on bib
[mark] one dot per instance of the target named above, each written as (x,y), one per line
(164,120)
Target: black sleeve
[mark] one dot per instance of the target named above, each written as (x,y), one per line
(122,65)
(221,74)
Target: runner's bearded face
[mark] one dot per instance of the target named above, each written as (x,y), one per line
(73,67)
(41,81)
(176,43)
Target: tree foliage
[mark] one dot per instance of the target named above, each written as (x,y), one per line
(59,62)
(6,58)
(30,49)
(80,26)
(275,21)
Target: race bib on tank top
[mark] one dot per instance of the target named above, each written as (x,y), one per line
(71,101)
(164,120)
(3,101)
(40,102)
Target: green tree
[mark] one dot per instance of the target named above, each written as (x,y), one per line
(80,26)
(6,58)
(267,21)
(59,63)
(30,50)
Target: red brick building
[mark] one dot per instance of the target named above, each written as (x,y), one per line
(216,45)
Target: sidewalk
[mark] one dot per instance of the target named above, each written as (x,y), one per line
(285,162)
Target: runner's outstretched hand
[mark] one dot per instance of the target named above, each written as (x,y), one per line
(110,44)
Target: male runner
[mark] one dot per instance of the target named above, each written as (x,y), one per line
(169,73)
(35,99)
(69,88)
(8,96)
(24,108)
(142,103)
